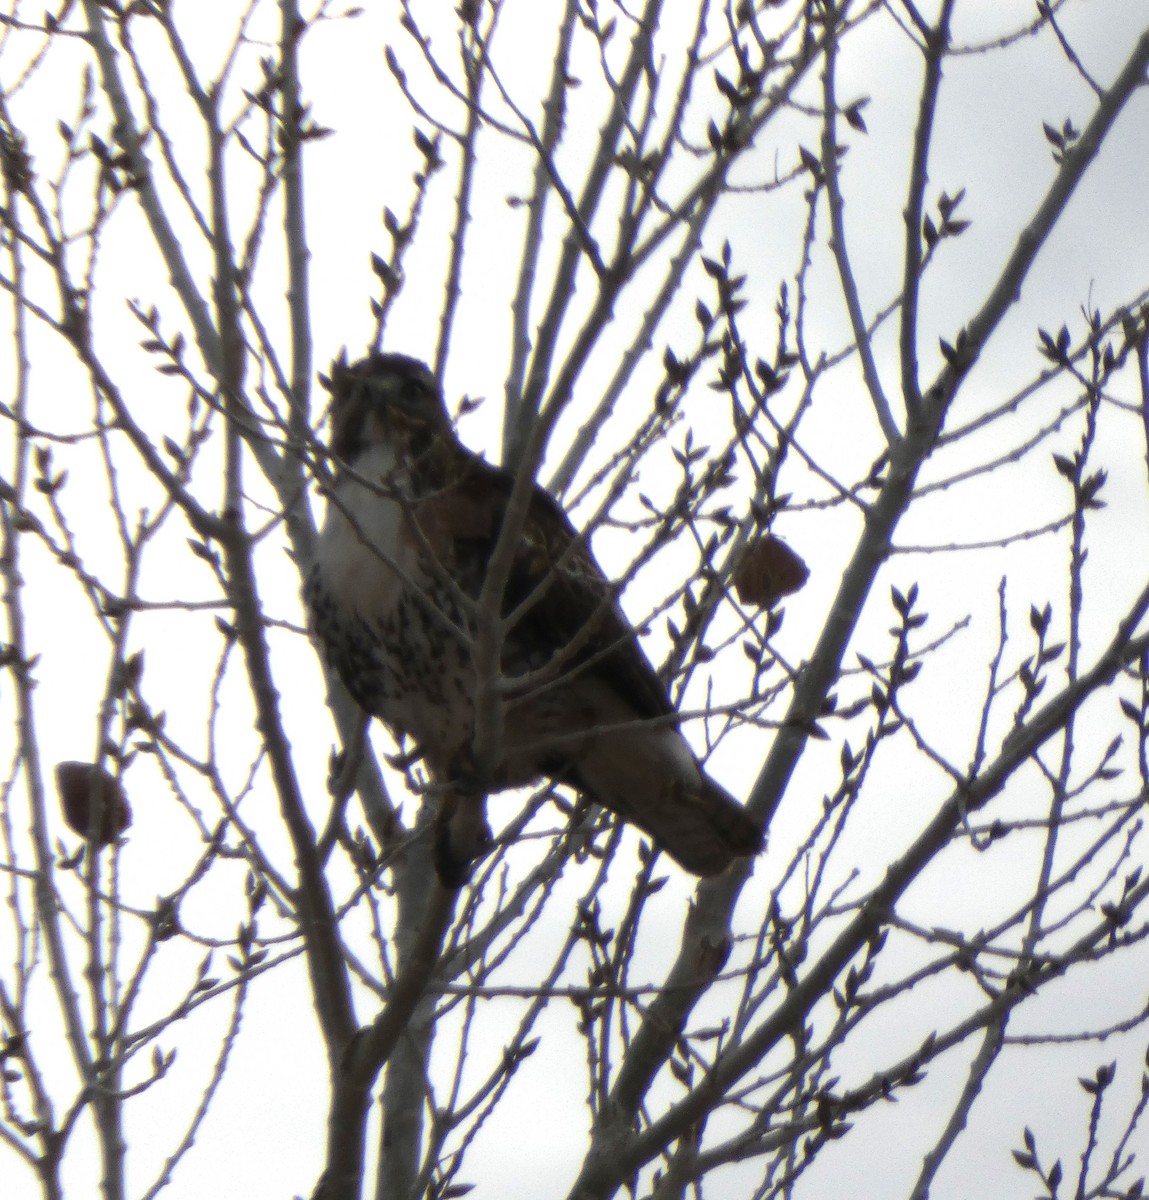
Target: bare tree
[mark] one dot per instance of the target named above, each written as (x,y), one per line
(735,325)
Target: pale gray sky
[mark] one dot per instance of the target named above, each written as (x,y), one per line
(264,1136)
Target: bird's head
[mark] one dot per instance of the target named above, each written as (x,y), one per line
(384,398)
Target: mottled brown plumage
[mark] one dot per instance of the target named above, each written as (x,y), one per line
(411,524)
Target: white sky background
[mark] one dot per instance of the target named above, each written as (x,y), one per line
(265,1134)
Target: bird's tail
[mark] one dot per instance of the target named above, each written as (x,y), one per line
(652,779)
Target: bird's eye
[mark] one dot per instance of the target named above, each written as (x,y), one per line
(414,391)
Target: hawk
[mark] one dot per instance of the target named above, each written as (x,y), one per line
(412,519)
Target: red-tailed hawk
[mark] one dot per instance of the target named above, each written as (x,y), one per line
(412,520)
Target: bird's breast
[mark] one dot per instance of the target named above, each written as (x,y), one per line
(389,625)
(362,557)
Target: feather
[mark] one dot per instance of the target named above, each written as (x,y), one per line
(410,529)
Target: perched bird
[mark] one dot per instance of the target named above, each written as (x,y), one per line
(412,519)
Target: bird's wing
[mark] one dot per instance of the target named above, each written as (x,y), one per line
(571,600)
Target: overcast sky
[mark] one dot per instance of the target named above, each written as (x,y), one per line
(264,1136)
